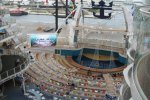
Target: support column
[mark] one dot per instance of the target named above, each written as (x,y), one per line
(23,83)
(14,82)
(1,90)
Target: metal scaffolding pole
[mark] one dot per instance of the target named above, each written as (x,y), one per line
(66,11)
(81,1)
(56,17)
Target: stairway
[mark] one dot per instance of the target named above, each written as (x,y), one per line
(111,90)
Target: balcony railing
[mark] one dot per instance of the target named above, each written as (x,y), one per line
(9,74)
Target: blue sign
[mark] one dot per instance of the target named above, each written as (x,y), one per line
(43,40)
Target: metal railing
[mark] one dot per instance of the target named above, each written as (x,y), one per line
(12,72)
(9,74)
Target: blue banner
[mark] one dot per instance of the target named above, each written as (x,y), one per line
(43,40)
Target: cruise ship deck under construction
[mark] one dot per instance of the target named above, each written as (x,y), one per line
(99,52)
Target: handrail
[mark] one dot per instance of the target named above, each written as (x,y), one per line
(9,74)
(13,72)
